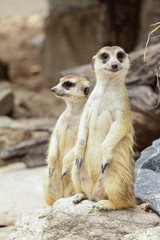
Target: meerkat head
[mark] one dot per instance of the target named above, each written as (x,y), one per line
(72,88)
(111,61)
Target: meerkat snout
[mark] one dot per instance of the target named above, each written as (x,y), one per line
(53,89)
(114,66)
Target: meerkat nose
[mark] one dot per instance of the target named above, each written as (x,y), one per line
(114,66)
(53,89)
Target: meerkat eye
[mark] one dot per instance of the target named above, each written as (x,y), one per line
(86,90)
(120,56)
(68,85)
(104,56)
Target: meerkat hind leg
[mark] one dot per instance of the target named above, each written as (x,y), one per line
(79,197)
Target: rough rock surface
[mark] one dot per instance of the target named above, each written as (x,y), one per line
(147,187)
(147,234)
(29,226)
(6,98)
(67,221)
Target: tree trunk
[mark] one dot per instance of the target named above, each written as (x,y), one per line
(119,23)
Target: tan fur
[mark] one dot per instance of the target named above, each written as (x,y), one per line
(104,170)
(64,138)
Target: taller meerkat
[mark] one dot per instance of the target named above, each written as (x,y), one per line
(104,169)
(74,90)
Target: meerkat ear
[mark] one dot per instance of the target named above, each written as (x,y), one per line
(86,90)
(93,63)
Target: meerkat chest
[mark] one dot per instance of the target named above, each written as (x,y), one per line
(67,132)
(101,115)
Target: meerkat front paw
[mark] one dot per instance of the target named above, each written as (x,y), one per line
(51,170)
(63,174)
(51,165)
(79,197)
(107,156)
(78,161)
(104,165)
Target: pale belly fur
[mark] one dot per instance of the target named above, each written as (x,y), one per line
(99,126)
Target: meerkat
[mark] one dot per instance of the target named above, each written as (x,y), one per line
(104,165)
(74,90)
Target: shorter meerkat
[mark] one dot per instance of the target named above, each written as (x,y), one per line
(104,170)
(74,90)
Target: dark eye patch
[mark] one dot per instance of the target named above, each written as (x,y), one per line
(120,56)
(104,56)
(67,85)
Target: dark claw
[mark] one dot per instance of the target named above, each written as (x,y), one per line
(78,163)
(104,166)
(51,170)
(62,175)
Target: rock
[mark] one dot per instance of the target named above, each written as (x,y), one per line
(21,190)
(12,132)
(32,152)
(29,226)
(6,98)
(147,234)
(24,140)
(82,221)
(150,158)
(147,187)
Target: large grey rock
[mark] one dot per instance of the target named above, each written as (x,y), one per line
(147,187)
(150,158)
(67,221)
(6,98)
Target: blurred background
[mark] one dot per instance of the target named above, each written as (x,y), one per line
(42,40)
